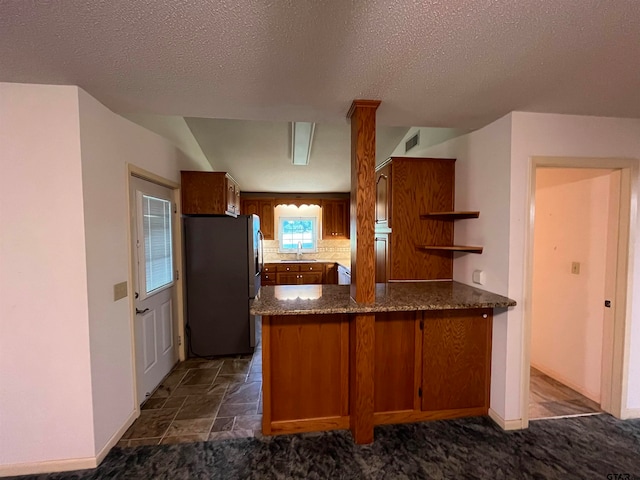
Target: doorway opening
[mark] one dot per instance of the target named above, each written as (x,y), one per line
(577,266)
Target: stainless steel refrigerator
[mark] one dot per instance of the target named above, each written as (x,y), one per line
(223,257)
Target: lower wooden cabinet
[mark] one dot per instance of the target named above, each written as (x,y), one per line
(434,364)
(315,273)
(427,365)
(305,373)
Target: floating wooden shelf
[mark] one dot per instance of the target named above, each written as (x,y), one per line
(452,248)
(450,215)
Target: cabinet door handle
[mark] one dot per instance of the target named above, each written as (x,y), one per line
(382,175)
(484,315)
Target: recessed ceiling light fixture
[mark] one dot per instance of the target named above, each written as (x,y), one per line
(301,140)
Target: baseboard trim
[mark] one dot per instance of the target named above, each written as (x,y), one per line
(68,464)
(48,467)
(505,424)
(629,413)
(117,436)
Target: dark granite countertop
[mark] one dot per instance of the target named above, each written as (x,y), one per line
(390,297)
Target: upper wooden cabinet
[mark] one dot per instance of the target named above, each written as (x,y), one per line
(335,219)
(263,207)
(209,193)
(406,188)
(383,197)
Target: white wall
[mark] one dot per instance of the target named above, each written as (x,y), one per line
(552,135)
(571,225)
(65,346)
(482,183)
(109,142)
(45,386)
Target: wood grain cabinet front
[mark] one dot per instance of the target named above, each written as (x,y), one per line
(335,219)
(264,208)
(407,187)
(430,365)
(209,193)
(268,274)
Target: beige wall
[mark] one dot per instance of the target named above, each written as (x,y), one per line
(65,345)
(571,220)
(45,376)
(110,142)
(499,157)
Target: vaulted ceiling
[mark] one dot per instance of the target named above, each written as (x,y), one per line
(454,63)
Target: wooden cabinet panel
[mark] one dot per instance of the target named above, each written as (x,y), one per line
(407,188)
(382,257)
(287,267)
(287,278)
(299,278)
(308,361)
(263,207)
(268,276)
(330,273)
(397,362)
(266,215)
(383,197)
(456,368)
(310,278)
(249,206)
(335,219)
(209,193)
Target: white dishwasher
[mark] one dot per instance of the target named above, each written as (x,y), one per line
(344,275)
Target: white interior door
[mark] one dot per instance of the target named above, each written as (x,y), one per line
(152,211)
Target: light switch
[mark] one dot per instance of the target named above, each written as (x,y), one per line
(575,268)
(479,277)
(119,291)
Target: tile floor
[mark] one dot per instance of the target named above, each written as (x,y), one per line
(201,400)
(549,398)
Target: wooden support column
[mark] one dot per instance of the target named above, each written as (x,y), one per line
(362,328)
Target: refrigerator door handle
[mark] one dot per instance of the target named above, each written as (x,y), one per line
(261,237)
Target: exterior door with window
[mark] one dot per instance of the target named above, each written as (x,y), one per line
(154,284)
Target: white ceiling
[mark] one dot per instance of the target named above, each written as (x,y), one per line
(435,63)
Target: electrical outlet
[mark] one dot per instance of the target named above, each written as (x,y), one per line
(575,268)
(119,291)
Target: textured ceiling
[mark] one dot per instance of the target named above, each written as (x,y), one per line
(447,63)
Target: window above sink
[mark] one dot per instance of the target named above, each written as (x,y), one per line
(298,229)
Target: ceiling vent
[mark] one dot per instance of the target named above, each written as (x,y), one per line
(412,142)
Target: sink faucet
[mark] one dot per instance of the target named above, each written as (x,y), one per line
(299,252)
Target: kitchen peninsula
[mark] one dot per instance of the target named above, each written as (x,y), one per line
(431,353)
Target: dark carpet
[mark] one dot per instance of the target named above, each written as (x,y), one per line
(594,447)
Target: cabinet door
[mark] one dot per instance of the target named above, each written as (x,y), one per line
(250,206)
(203,193)
(266,218)
(330,273)
(310,278)
(397,362)
(335,219)
(382,257)
(287,278)
(383,197)
(456,365)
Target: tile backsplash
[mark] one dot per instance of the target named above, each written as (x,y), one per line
(332,250)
